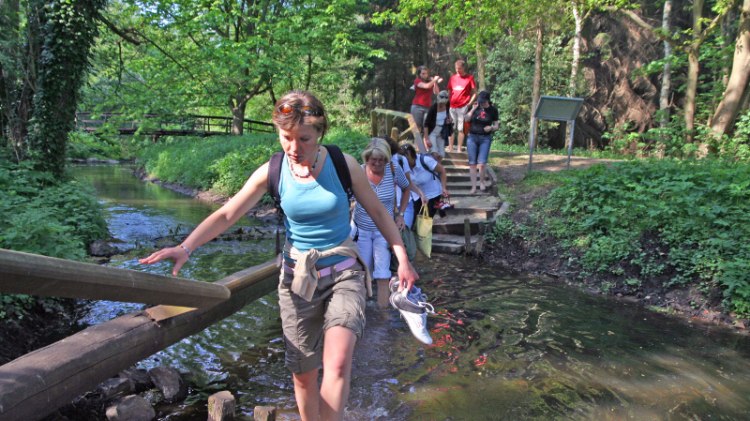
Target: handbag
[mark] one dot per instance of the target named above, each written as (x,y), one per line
(407,236)
(424,232)
(410,244)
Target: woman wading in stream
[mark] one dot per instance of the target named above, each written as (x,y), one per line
(323,282)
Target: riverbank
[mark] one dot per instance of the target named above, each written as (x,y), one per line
(516,253)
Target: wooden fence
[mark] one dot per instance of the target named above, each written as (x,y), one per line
(157,125)
(36,384)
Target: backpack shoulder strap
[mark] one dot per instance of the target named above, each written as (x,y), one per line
(342,169)
(424,165)
(274,175)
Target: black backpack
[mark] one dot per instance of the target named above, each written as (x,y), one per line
(339,162)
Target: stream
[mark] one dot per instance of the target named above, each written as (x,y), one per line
(507,346)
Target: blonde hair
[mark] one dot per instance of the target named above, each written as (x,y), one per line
(377,147)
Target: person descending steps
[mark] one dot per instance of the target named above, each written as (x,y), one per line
(414,308)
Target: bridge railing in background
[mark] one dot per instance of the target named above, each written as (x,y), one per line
(158,125)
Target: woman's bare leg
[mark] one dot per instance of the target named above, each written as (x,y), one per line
(473,178)
(307,394)
(338,349)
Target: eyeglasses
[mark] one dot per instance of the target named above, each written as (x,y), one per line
(304,109)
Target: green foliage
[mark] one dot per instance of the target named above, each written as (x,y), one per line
(690,214)
(223,163)
(737,146)
(45,217)
(231,57)
(510,74)
(187,160)
(42,216)
(82,145)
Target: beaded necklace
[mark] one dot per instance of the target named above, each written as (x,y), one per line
(309,171)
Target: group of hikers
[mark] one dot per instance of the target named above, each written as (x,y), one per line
(329,258)
(455,110)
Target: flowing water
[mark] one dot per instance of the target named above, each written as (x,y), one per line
(507,346)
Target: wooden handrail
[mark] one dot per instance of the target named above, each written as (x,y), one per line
(36,384)
(24,273)
(382,130)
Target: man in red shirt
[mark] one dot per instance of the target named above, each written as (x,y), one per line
(463,91)
(424,87)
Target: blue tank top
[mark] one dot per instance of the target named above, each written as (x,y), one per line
(316,214)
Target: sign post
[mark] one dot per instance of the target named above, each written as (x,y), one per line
(555,108)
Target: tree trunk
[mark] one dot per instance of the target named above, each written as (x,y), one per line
(576,50)
(666,74)
(68,30)
(238,105)
(536,85)
(480,68)
(17,77)
(726,112)
(693,71)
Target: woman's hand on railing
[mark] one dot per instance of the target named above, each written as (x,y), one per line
(177,254)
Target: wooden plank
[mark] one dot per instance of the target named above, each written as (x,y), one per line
(24,273)
(36,384)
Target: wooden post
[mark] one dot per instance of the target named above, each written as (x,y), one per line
(36,384)
(221,406)
(24,273)
(388,123)
(373,123)
(264,413)
(467,236)
(394,134)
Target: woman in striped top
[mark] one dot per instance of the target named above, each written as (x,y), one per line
(384,178)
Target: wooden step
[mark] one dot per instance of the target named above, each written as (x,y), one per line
(466,192)
(455,223)
(453,244)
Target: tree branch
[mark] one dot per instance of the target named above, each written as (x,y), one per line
(124,34)
(169,56)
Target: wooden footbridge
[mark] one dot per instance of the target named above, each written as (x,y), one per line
(36,384)
(157,125)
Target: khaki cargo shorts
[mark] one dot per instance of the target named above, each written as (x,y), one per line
(458,114)
(338,301)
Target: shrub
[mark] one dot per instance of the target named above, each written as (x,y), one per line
(43,216)
(695,210)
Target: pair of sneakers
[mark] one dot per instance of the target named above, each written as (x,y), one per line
(443,204)
(414,308)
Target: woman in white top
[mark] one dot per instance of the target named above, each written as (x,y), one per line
(429,175)
(400,160)
(438,119)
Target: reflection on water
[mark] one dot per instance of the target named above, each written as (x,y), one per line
(507,347)
(510,347)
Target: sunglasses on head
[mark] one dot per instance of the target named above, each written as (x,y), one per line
(304,109)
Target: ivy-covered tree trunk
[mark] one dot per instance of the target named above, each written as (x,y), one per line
(68,29)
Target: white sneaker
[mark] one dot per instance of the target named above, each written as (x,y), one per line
(413,308)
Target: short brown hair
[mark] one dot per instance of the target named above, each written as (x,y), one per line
(306,109)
